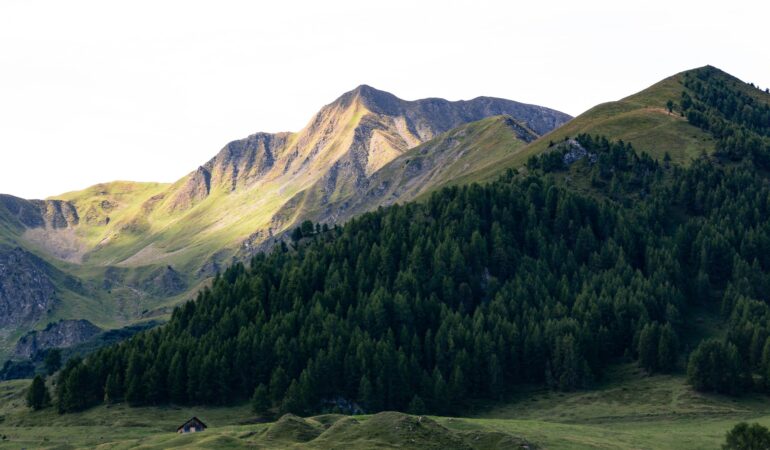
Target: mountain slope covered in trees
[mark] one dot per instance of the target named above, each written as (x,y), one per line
(135,249)
(541,278)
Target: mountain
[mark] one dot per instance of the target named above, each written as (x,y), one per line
(598,254)
(236,194)
(630,288)
(641,119)
(135,248)
(439,162)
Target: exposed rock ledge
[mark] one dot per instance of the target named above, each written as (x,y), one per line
(61,334)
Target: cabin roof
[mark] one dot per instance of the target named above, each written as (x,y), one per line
(192,419)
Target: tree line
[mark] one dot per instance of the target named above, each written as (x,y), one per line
(731,112)
(427,307)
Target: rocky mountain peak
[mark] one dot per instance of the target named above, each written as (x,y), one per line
(375,100)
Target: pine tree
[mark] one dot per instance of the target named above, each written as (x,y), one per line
(52,361)
(440,392)
(279,382)
(37,394)
(136,387)
(177,379)
(649,339)
(496,385)
(366,396)
(416,406)
(111,389)
(715,366)
(75,387)
(292,401)
(667,349)
(260,402)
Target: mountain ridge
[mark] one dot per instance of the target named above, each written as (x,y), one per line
(642,119)
(152,242)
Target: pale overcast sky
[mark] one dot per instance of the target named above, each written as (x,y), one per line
(94,91)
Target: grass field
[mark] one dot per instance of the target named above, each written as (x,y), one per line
(634,411)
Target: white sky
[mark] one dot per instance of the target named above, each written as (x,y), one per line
(95,91)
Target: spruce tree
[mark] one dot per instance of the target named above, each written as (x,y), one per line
(52,360)
(649,339)
(260,401)
(416,406)
(667,349)
(37,394)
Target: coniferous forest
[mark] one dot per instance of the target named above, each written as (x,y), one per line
(478,290)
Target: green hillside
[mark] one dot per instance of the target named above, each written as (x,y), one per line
(641,119)
(605,297)
(479,289)
(467,149)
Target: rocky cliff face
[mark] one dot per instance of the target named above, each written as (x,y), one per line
(24,212)
(431,116)
(57,213)
(245,161)
(40,213)
(428,166)
(195,188)
(166,282)
(26,290)
(62,334)
(346,142)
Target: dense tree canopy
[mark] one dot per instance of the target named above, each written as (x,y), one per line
(52,361)
(469,294)
(37,394)
(729,111)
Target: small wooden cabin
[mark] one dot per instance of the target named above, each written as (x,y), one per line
(193,425)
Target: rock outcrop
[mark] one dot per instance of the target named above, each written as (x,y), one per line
(40,213)
(23,211)
(61,334)
(57,213)
(27,292)
(574,152)
(428,166)
(166,282)
(240,163)
(195,188)
(348,140)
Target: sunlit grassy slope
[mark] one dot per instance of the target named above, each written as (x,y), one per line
(641,119)
(633,411)
(473,147)
(467,149)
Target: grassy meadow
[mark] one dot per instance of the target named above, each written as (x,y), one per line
(634,411)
